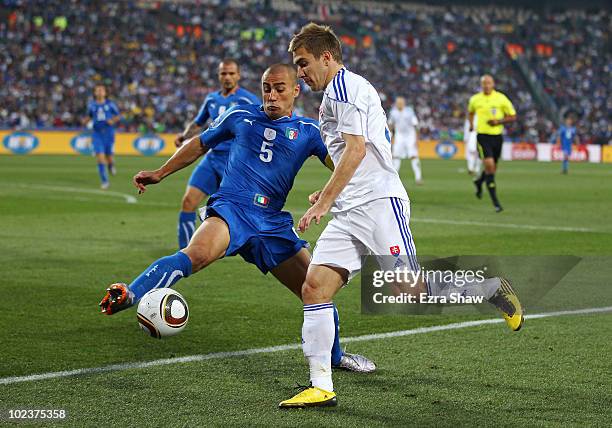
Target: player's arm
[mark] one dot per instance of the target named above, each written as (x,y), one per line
(185,156)
(354,152)
(504,121)
(190,130)
(471,120)
(509,114)
(116,116)
(194,127)
(220,130)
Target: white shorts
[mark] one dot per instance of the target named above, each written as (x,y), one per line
(471,144)
(405,146)
(380,227)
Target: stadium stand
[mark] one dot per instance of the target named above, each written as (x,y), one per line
(52,53)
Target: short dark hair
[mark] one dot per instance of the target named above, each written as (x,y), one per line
(230,61)
(281,66)
(317,39)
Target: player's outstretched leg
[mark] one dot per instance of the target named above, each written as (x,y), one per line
(164,272)
(506,300)
(496,291)
(208,244)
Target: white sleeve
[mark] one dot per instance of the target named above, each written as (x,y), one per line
(350,118)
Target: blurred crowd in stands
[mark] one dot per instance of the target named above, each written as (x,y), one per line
(159,59)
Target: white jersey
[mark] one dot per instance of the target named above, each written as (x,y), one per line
(404,121)
(352,105)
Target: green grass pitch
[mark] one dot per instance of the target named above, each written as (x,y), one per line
(62,241)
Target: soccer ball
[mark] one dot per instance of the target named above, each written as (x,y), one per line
(162,312)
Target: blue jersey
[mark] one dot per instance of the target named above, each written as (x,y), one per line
(216,104)
(265,154)
(100,113)
(567,135)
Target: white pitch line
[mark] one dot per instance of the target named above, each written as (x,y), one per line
(128,198)
(272,349)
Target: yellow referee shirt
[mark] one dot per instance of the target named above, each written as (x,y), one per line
(493,106)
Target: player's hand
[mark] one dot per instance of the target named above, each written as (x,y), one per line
(178,141)
(315,213)
(493,122)
(471,128)
(314,197)
(144,178)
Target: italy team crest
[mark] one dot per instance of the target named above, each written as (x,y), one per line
(291,133)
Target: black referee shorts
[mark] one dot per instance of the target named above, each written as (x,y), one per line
(490,145)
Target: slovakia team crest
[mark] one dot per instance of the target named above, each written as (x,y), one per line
(395,250)
(291,133)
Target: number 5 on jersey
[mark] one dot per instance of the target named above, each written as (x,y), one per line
(266,151)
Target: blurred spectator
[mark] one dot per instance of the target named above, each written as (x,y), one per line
(158,59)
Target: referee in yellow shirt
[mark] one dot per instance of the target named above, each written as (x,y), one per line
(493,110)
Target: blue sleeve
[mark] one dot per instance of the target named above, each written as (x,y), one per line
(318,147)
(203,115)
(222,129)
(255,99)
(90,110)
(114,109)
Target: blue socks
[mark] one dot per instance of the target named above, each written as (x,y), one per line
(164,272)
(565,166)
(186,228)
(102,173)
(337,352)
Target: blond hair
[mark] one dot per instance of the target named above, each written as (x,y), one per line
(317,39)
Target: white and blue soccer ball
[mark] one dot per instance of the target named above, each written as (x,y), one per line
(162,312)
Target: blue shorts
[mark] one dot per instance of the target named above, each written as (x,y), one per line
(566,149)
(209,172)
(265,239)
(103,142)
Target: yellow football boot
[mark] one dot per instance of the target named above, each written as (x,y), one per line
(506,300)
(310,396)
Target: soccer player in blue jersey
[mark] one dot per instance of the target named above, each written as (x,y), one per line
(206,177)
(104,115)
(269,145)
(567,136)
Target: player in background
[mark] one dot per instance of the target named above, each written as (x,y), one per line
(403,124)
(206,177)
(567,135)
(104,115)
(268,146)
(493,110)
(370,207)
(471,149)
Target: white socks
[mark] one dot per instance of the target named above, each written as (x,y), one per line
(397,163)
(318,333)
(486,288)
(416,168)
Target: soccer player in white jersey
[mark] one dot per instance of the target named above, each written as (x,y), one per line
(403,124)
(369,204)
(471,148)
